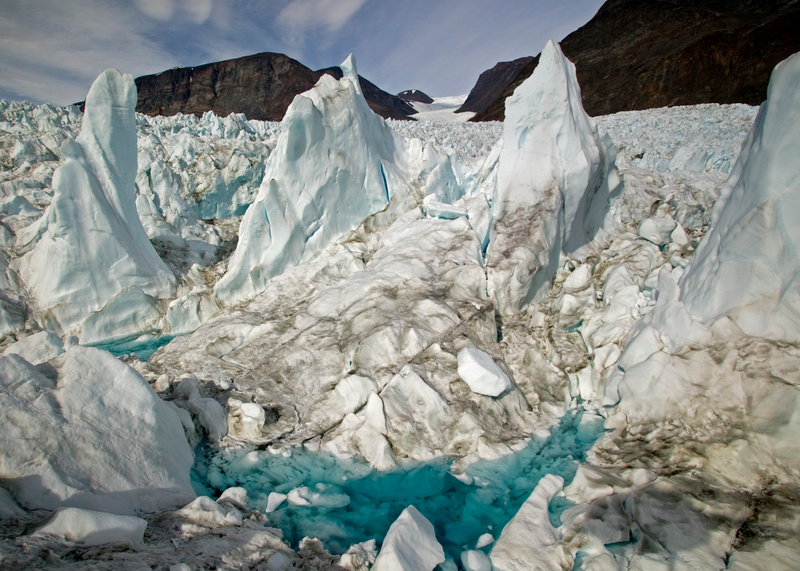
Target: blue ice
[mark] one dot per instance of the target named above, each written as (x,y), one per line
(460,513)
(141,345)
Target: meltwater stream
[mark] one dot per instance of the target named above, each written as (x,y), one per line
(460,513)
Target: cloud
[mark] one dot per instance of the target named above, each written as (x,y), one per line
(158,9)
(52,51)
(197,11)
(301,15)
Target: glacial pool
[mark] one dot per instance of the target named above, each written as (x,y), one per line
(460,513)
(141,345)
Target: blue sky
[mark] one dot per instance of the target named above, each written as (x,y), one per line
(51,50)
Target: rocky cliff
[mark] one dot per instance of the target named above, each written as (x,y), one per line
(261,86)
(639,55)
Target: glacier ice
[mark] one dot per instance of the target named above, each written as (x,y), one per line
(339,387)
(333,166)
(552,183)
(93,270)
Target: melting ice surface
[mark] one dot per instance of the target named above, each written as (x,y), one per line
(460,513)
(143,346)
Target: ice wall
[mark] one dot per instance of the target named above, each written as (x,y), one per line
(94,270)
(333,166)
(552,183)
(747,266)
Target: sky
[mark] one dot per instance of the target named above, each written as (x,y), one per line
(52,50)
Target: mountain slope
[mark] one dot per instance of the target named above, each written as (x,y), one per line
(261,86)
(635,55)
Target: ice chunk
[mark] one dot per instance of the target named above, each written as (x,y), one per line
(236,496)
(410,545)
(657,230)
(552,183)
(37,348)
(475,561)
(87,527)
(245,420)
(205,512)
(105,440)
(208,412)
(484,540)
(333,166)
(94,251)
(274,501)
(481,373)
(527,541)
(322,496)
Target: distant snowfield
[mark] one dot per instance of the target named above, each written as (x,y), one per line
(568,342)
(442,110)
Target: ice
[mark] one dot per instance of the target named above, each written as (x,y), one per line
(481,373)
(209,413)
(9,509)
(94,271)
(236,496)
(657,230)
(333,166)
(410,544)
(204,512)
(37,348)
(552,183)
(747,265)
(89,528)
(475,561)
(529,538)
(105,440)
(338,387)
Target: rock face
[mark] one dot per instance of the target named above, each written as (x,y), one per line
(261,86)
(635,55)
(415,95)
(492,82)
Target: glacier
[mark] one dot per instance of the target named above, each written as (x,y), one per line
(415,358)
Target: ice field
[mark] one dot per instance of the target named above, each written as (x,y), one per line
(339,342)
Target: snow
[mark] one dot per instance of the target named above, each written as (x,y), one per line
(410,544)
(87,527)
(442,110)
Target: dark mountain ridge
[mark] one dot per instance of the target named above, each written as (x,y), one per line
(639,55)
(261,86)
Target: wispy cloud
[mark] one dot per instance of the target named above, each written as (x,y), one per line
(300,15)
(197,11)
